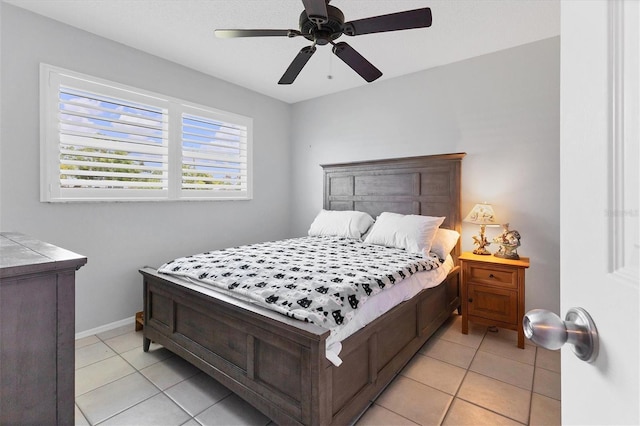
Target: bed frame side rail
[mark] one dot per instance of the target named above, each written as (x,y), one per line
(376,356)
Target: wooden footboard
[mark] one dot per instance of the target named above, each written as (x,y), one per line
(278,364)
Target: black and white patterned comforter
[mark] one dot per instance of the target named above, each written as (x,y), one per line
(322,280)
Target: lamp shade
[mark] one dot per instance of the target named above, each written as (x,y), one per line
(482,214)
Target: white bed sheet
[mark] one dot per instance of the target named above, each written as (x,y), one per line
(375,306)
(383,302)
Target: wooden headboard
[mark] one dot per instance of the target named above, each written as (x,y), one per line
(426,185)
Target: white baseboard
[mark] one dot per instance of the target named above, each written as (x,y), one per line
(106,327)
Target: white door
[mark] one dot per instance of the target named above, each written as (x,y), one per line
(599,205)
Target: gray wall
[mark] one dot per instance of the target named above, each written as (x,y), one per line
(119,238)
(502,109)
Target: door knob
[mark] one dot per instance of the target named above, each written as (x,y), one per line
(546,329)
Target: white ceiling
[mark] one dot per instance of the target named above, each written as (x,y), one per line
(182,31)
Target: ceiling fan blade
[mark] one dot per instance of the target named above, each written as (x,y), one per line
(256,33)
(316,11)
(418,18)
(296,66)
(356,61)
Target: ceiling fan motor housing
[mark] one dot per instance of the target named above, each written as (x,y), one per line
(326,32)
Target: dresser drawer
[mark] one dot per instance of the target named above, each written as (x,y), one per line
(494,276)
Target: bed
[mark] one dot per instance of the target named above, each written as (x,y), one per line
(279,364)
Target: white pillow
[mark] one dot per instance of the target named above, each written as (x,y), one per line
(413,233)
(444,241)
(340,223)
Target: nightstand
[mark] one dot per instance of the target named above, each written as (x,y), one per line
(493,292)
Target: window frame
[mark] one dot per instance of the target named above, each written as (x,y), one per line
(52,78)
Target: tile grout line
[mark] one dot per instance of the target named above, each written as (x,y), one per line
(399,373)
(136,370)
(507,359)
(533,380)
(104,384)
(493,378)
(463,377)
(115,354)
(385,408)
(81,412)
(205,409)
(447,411)
(439,390)
(125,409)
(93,363)
(161,391)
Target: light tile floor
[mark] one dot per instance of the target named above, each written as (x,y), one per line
(477,379)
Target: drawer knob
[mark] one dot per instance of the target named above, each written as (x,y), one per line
(470,300)
(491,276)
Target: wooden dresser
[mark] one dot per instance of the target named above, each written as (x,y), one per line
(493,292)
(37,331)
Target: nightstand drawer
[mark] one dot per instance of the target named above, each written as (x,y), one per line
(493,303)
(493,276)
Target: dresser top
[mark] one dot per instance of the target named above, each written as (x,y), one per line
(21,254)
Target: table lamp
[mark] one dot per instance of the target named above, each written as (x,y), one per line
(483,215)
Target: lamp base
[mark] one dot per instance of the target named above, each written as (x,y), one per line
(481,243)
(481,250)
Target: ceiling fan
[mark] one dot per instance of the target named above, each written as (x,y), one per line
(322,23)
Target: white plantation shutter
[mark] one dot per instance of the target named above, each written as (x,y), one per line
(214,156)
(111,143)
(104,141)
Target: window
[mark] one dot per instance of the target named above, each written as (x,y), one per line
(105,141)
